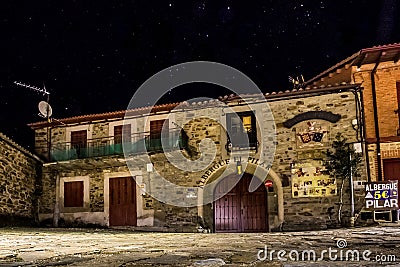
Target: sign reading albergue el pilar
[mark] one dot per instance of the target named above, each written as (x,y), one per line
(382,195)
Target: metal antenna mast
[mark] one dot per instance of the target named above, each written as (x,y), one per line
(34,88)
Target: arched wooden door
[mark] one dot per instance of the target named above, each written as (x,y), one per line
(239,210)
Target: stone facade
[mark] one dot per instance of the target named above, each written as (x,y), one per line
(20,187)
(202,121)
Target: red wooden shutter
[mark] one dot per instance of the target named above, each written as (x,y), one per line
(156,129)
(126,129)
(79,139)
(73,194)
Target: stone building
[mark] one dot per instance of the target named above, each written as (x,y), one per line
(112,169)
(377,69)
(20,174)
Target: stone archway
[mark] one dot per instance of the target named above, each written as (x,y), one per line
(240,210)
(206,213)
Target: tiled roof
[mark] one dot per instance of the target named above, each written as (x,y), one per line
(105,116)
(201,104)
(390,52)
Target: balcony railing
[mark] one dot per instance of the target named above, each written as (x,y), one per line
(135,144)
(242,141)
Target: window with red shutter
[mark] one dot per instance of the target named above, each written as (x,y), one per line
(79,139)
(118,130)
(73,194)
(157,133)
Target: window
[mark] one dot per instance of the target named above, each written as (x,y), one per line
(73,194)
(157,132)
(122,131)
(240,126)
(398,105)
(398,93)
(79,143)
(79,139)
(156,129)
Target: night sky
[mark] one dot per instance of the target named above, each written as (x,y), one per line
(92,55)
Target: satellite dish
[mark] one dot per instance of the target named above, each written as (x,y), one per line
(45,109)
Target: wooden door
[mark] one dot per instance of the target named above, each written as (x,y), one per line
(79,139)
(391,169)
(240,210)
(157,133)
(122,201)
(122,131)
(79,143)
(227,207)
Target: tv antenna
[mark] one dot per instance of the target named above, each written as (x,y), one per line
(45,110)
(297,82)
(34,88)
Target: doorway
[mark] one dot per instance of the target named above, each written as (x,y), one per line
(122,201)
(240,210)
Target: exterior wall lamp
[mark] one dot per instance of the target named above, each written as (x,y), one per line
(239,168)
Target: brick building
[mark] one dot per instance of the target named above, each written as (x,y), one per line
(377,69)
(87,178)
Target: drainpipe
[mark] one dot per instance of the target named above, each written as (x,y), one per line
(352,216)
(56,213)
(363,136)
(374,101)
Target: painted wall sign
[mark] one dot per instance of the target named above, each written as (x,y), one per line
(312,134)
(382,195)
(312,115)
(310,179)
(217,165)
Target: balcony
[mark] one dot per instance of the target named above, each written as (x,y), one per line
(242,141)
(101,147)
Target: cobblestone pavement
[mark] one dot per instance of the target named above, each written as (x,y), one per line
(100,247)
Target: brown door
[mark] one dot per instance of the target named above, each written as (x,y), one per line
(79,139)
(122,130)
(122,201)
(157,132)
(79,143)
(391,169)
(240,210)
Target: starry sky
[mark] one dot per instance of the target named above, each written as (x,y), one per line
(93,55)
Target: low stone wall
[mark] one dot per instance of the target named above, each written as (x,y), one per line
(20,173)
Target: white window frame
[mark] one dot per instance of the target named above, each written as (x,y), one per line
(86,190)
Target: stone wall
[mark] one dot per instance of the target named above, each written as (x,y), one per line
(20,186)
(320,212)
(299,213)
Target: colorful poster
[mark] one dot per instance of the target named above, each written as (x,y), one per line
(310,179)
